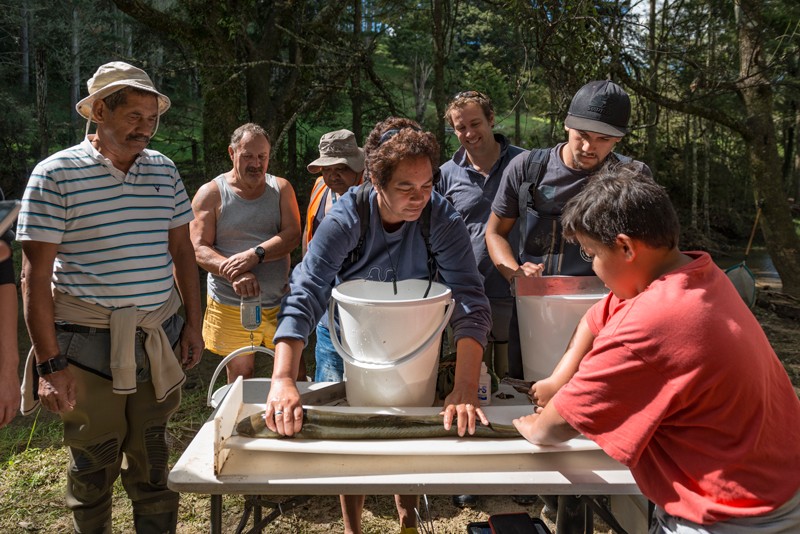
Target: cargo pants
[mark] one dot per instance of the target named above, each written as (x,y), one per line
(109,435)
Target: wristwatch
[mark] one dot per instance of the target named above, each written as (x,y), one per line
(57,363)
(259,250)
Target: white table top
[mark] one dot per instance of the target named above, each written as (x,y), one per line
(284,473)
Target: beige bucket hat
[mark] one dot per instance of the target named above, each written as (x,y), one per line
(338,147)
(112,77)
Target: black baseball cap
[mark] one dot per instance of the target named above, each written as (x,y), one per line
(602,107)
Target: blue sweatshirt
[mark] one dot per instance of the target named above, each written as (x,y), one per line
(323,266)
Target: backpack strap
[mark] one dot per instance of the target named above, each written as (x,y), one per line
(425,229)
(622,159)
(532,172)
(362,208)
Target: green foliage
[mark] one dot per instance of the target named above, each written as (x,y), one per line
(485,77)
(17,139)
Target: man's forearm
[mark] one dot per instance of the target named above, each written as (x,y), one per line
(280,245)
(208,259)
(502,256)
(9,352)
(188,282)
(37,305)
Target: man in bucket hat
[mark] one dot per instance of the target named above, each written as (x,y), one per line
(341,162)
(341,165)
(107,263)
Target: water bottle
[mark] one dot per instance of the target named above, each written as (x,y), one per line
(250,312)
(485,386)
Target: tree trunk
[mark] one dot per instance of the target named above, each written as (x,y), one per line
(41,103)
(706,181)
(220,116)
(75,83)
(782,241)
(24,47)
(651,155)
(443,16)
(355,77)
(691,170)
(439,15)
(796,166)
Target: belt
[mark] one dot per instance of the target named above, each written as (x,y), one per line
(80,329)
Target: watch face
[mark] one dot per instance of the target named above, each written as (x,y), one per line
(260,253)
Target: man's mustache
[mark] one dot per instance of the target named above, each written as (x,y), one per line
(139,138)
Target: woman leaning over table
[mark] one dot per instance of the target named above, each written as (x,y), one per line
(401,160)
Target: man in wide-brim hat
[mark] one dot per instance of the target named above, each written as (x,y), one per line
(106,223)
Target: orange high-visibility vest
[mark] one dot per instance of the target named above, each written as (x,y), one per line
(314,204)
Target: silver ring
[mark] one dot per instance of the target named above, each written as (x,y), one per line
(278,412)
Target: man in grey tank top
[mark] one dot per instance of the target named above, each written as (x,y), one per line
(246,224)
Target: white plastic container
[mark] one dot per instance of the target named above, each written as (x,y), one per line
(250,312)
(390,343)
(548,310)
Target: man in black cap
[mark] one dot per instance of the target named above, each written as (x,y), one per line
(538,183)
(534,189)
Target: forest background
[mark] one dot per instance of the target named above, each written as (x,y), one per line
(714,84)
(715,87)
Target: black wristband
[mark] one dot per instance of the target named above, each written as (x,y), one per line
(57,363)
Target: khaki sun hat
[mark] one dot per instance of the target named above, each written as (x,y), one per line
(338,147)
(112,77)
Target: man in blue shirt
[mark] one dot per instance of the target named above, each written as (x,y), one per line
(469,182)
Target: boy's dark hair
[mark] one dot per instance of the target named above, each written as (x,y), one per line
(620,199)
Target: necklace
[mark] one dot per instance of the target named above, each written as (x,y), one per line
(391,261)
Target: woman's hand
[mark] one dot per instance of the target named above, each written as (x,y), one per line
(463,405)
(284,413)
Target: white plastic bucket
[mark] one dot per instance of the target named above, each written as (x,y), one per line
(548,310)
(390,343)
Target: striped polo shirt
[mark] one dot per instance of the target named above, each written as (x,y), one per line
(112,228)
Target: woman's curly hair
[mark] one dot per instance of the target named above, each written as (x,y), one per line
(393,140)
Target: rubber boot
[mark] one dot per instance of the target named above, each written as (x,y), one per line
(163,523)
(100,529)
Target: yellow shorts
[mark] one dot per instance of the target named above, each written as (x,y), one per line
(223,332)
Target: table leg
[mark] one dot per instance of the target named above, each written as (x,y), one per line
(216,514)
(571,518)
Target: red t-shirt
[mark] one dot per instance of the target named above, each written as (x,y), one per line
(682,386)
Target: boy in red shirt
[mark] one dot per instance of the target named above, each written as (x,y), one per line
(672,375)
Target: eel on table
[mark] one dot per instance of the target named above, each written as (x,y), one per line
(327,424)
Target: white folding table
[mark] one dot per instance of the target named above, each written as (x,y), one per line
(208,466)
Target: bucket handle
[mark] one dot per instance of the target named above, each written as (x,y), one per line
(413,354)
(238,352)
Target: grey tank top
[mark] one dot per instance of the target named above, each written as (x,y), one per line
(243,224)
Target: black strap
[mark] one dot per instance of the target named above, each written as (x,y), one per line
(425,229)
(362,208)
(532,172)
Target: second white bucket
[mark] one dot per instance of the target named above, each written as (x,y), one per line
(548,310)
(390,342)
